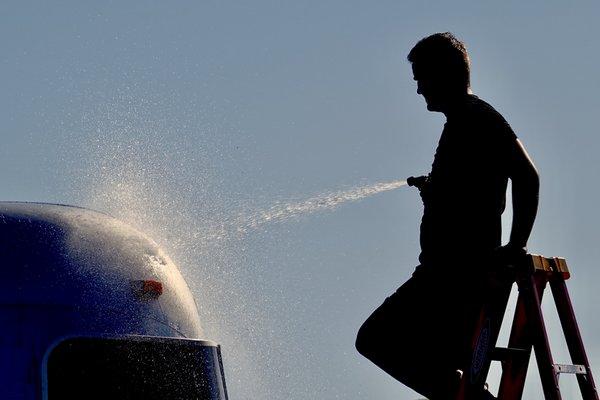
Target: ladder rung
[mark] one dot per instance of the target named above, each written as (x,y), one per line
(506,353)
(569,369)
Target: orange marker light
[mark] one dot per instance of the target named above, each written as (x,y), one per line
(146,289)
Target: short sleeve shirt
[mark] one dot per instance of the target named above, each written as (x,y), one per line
(466,195)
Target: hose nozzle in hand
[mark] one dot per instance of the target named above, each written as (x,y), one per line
(417,181)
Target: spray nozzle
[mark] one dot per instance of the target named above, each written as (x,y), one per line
(417,181)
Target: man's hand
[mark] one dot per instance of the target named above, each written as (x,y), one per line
(417,181)
(509,254)
(421,183)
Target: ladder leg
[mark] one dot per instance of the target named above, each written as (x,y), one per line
(485,336)
(534,285)
(495,312)
(514,371)
(573,337)
(483,341)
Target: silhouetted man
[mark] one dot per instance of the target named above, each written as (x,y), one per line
(420,332)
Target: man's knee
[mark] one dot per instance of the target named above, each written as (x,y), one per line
(364,341)
(371,339)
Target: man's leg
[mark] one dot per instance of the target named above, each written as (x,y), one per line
(412,337)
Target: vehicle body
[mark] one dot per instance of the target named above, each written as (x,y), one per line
(92,308)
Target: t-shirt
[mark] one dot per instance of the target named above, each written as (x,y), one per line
(466,193)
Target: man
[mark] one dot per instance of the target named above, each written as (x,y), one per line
(420,332)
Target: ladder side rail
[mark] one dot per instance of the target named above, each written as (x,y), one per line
(534,284)
(514,372)
(573,338)
(465,388)
(496,313)
(487,329)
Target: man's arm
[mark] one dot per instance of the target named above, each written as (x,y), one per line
(525,195)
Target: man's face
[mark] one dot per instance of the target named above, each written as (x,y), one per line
(432,89)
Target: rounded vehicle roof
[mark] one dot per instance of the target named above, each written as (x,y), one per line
(95,272)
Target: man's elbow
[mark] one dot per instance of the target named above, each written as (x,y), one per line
(533,178)
(528,179)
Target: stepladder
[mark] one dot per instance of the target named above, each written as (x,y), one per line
(532,274)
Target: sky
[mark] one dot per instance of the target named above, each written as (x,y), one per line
(177,116)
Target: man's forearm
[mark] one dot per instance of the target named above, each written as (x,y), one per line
(525,197)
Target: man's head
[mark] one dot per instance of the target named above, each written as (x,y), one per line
(440,64)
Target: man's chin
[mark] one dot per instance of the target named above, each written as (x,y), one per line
(432,107)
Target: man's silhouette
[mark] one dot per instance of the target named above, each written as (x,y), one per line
(420,332)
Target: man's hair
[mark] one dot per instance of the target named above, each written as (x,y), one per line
(443,54)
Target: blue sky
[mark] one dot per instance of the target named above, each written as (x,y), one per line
(175,116)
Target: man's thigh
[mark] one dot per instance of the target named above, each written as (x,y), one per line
(426,316)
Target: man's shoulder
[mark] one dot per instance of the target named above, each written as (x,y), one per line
(484,115)
(478,107)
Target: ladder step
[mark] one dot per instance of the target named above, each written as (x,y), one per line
(507,353)
(569,369)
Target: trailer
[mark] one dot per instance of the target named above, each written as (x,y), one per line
(92,308)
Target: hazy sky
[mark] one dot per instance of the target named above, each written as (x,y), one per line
(177,116)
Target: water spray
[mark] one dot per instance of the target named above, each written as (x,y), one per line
(283,211)
(151,173)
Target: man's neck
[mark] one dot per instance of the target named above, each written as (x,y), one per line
(456,103)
